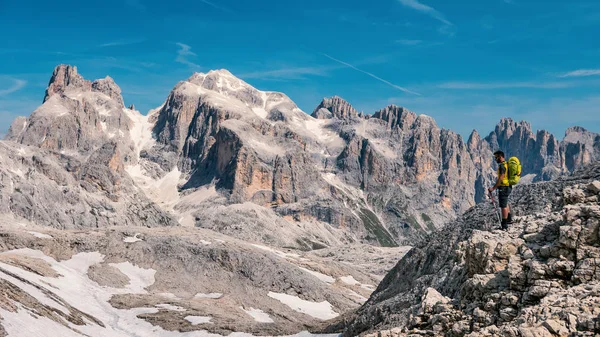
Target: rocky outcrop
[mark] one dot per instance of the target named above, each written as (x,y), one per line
(539,278)
(542,154)
(16,128)
(77,115)
(480,153)
(335,107)
(579,147)
(65,76)
(108,87)
(396,117)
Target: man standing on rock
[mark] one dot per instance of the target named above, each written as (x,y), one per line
(503,188)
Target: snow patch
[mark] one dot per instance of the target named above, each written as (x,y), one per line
(40,235)
(169,295)
(258,315)
(52,107)
(320,310)
(204,242)
(260,112)
(195,320)
(361,299)
(29,289)
(170,307)
(139,278)
(141,130)
(322,277)
(132,239)
(368,287)
(163,191)
(211,295)
(349,280)
(277,252)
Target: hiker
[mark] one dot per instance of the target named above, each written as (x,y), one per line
(504,189)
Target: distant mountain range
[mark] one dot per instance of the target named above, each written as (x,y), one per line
(217,148)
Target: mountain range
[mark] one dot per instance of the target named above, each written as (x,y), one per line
(230,210)
(218,147)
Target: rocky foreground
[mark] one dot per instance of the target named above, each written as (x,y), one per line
(540,278)
(175,282)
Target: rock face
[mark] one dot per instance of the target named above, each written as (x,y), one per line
(538,279)
(335,107)
(70,192)
(65,76)
(108,87)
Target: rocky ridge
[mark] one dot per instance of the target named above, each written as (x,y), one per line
(538,279)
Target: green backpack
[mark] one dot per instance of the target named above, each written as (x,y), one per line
(514,170)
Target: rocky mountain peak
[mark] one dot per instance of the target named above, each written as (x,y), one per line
(396,116)
(222,81)
(65,76)
(108,87)
(507,127)
(334,107)
(474,140)
(575,129)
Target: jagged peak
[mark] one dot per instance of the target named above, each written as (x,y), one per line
(396,115)
(334,106)
(108,87)
(64,76)
(575,129)
(474,138)
(509,123)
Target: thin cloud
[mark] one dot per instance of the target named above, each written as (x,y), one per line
(505,85)
(582,73)
(136,4)
(18,85)
(183,55)
(122,43)
(213,5)
(409,42)
(423,8)
(374,76)
(288,73)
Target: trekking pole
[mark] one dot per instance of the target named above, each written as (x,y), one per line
(494,206)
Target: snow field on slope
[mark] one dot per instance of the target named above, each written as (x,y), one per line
(75,288)
(320,310)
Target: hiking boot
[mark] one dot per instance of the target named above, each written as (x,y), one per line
(509,220)
(504,224)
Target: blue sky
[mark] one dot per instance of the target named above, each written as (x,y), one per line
(465,63)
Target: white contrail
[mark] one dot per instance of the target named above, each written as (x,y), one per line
(374,76)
